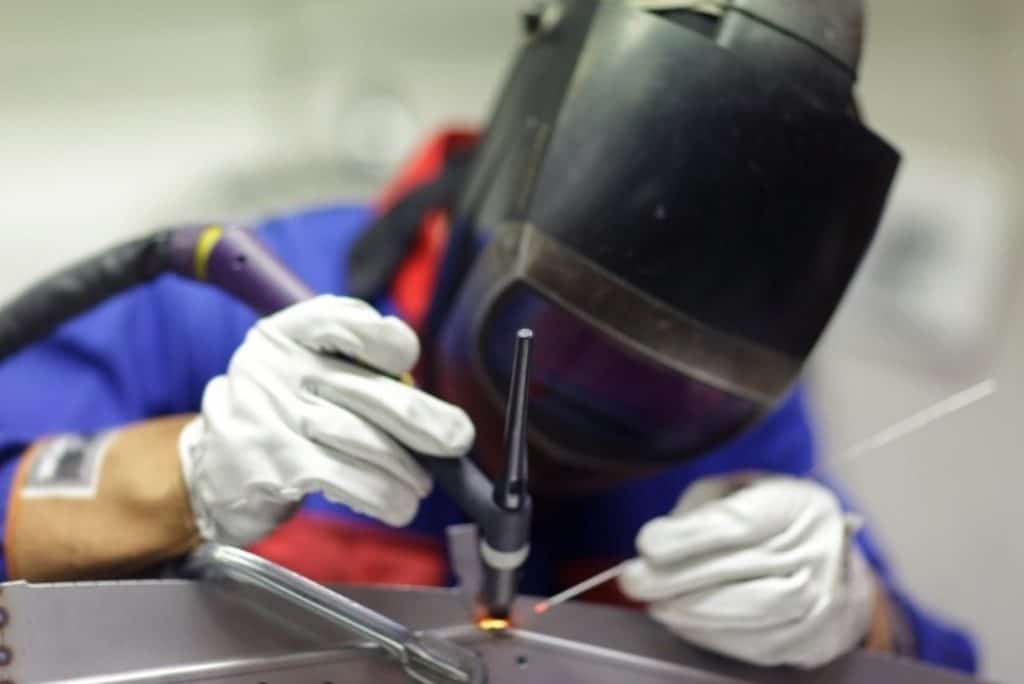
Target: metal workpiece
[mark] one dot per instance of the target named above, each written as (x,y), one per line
(227,632)
(423,657)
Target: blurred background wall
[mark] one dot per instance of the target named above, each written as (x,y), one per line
(942,80)
(119,117)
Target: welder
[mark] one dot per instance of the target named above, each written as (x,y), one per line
(674,196)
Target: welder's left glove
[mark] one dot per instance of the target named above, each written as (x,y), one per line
(762,569)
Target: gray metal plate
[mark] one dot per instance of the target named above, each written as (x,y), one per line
(173,630)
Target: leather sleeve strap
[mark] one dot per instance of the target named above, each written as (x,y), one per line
(101,506)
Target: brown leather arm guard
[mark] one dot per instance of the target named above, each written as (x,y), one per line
(108,505)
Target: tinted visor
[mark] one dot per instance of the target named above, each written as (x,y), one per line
(595,398)
(619,379)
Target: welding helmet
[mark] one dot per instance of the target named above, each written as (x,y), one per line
(674,196)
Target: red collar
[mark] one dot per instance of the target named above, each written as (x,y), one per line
(413,286)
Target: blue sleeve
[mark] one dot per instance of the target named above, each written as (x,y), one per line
(150,351)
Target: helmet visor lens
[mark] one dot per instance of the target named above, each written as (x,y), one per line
(594,397)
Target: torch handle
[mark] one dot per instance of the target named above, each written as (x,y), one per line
(234,259)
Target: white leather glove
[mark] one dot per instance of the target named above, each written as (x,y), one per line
(761,569)
(290,417)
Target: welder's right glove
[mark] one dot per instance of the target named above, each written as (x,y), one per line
(291,416)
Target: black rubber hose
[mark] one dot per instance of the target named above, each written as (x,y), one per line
(40,309)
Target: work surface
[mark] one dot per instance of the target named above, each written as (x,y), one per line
(175,630)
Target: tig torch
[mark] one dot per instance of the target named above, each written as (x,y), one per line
(233,259)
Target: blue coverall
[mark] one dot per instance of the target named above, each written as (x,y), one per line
(151,351)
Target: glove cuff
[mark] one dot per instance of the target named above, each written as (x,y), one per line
(237,521)
(189,446)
